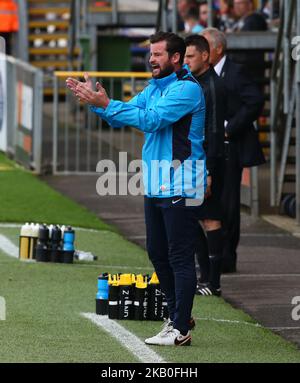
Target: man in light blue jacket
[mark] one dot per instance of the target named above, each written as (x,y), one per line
(171,112)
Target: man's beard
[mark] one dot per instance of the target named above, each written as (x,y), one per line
(165,72)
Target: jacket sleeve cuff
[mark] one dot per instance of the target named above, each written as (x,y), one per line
(97,110)
(107,112)
(104,112)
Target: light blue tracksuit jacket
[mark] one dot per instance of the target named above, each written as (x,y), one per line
(171,113)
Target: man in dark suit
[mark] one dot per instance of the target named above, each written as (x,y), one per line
(244,104)
(249,21)
(209,250)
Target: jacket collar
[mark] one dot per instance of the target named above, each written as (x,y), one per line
(206,74)
(219,67)
(162,83)
(225,67)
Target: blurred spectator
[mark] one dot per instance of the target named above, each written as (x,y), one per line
(266,9)
(271,14)
(183,8)
(9,22)
(192,21)
(227,17)
(203,13)
(250,20)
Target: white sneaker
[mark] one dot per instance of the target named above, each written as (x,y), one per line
(170,337)
(167,326)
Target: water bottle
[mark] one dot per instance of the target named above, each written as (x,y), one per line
(155,299)
(68,245)
(140,298)
(50,227)
(126,297)
(62,228)
(133,280)
(84,255)
(42,252)
(24,242)
(33,240)
(102,295)
(113,296)
(55,244)
(30,234)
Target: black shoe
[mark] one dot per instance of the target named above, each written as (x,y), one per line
(206,289)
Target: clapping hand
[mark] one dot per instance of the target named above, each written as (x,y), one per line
(85,93)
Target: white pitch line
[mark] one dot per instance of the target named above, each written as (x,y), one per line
(230,321)
(126,338)
(10,225)
(8,247)
(19,225)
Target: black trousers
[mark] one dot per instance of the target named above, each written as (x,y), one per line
(231,208)
(171,233)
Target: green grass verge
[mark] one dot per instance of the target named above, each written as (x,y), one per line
(25,198)
(44,302)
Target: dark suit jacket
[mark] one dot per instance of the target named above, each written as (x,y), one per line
(244,105)
(255,22)
(253,60)
(215,102)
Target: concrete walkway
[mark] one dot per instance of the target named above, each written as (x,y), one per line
(268,275)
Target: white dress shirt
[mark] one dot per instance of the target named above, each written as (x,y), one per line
(218,68)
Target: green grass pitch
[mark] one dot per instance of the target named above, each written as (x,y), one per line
(44,301)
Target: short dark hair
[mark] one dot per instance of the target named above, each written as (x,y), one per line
(174,43)
(199,42)
(193,13)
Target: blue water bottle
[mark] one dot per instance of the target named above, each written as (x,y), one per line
(102,295)
(68,245)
